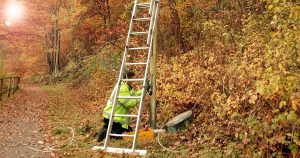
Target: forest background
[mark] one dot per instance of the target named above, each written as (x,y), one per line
(234,63)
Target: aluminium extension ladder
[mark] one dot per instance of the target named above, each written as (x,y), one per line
(151,20)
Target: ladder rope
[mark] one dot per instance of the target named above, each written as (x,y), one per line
(165,148)
(50,149)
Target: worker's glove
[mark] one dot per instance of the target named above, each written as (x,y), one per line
(148,88)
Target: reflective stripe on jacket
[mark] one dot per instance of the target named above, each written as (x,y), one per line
(123,105)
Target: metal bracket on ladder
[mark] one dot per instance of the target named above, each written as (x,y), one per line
(153,7)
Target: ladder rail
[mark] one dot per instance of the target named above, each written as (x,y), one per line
(151,24)
(111,117)
(145,75)
(150,9)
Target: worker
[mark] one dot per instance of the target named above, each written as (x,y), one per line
(120,124)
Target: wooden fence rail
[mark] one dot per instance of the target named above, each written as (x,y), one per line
(9,85)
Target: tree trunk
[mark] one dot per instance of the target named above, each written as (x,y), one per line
(175,24)
(108,13)
(219,4)
(104,11)
(52,43)
(56,35)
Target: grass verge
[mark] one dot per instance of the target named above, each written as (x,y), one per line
(71,113)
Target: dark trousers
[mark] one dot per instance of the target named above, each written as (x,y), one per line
(116,129)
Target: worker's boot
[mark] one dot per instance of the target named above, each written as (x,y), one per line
(102,134)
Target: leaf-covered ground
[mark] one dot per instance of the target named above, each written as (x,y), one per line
(63,121)
(23,125)
(72,111)
(57,121)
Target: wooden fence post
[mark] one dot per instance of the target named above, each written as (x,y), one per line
(1,88)
(9,87)
(18,82)
(14,85)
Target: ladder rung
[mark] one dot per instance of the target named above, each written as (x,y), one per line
(120,115)
(142,19)
(121,135)
(129,97)
(143,5)
(136,64)
(139,33)
(134,79)
(138,48)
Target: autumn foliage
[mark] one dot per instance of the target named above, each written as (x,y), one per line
(234,63)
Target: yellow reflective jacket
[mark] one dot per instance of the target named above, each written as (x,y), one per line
(123,105)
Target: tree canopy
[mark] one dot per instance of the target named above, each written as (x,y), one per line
(235,63)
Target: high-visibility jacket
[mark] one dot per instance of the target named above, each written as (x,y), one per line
(123,105)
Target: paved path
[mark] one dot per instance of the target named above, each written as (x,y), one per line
(23,126)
